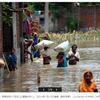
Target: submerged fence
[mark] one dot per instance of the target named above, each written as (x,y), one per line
(76,36)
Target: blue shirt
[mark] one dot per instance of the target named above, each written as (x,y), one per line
(12,59)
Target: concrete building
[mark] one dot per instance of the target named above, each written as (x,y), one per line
(11,36)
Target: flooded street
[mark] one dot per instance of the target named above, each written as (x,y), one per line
(25,78)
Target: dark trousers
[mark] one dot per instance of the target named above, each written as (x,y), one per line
(11,66)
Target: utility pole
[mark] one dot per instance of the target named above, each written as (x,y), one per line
(16,32)
(78,4)
(46,28)
(21,6)
(14,21)
(1,32)
(94,12)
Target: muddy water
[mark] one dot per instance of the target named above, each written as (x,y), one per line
(25,79)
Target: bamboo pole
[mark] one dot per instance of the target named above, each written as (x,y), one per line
(6,63)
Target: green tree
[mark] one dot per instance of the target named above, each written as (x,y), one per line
(7,14)
(72,24)
(59,9)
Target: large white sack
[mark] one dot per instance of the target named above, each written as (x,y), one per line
(62,47)
(44,43)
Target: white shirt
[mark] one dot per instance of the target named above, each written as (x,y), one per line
(45,52)
(71,53)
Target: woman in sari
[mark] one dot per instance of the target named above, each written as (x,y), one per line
(88,84)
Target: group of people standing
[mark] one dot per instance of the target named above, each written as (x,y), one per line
(87,84)
(30,46)
(63,59)
(72,57)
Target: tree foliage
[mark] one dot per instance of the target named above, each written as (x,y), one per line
(72,24)
(6,13)
(35,5)
(58,9)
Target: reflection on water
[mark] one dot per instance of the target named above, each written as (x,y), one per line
(25,79)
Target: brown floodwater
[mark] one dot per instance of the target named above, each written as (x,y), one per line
(29,76)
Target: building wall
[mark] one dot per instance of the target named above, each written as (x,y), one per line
(98,20)
(90,17)
(87,16)
(1,38)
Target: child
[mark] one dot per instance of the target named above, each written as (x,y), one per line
(88,84)
(46,56)
(62,61)
(12,61)
(73,55)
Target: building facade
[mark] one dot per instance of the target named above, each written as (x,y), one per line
(87,17)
